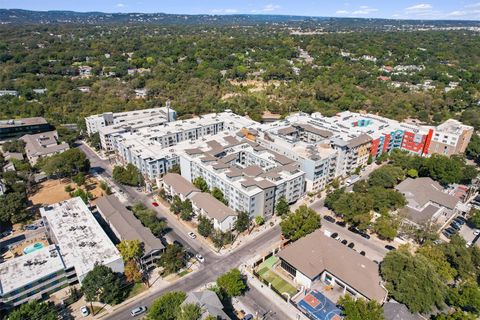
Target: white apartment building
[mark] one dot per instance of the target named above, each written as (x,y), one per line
(79,242)
(95,122)
(251,177)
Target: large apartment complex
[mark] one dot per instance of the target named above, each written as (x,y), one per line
(78,242)
(15,128)
(254,164)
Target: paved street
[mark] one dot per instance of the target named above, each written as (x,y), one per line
(214,265)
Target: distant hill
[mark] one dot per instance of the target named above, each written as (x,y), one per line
(18,16)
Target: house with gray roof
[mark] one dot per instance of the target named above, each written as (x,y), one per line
(427,201)
(42,145)
(209,302)
(126,226)
(317,258)
(223,217)
(393,310)
(176,185)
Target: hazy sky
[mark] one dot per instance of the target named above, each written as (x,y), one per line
(403,9)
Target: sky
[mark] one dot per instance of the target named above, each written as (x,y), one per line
(394,9)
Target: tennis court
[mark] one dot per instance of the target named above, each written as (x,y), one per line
(281,285)
(318,307)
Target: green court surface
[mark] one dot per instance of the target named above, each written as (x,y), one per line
(270,276)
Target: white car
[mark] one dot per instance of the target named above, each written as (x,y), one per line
(469,244)
(138,310)
(84,311)
(200,258)
(476,232)
(192,235)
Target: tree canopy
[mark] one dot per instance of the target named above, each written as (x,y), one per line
(232,283)
(103,285)
(300,223)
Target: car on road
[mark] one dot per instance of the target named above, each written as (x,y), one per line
(334,236)
(200,258)
(469,244)
(462,219)
(351,245)
(354,230)
(6,233)
(30,227)
(189,255)
(178,243)
(329,219)
(341,223)
(192,235)
(129,208)
(84,311)
(389,247)
(138,311)
(155,204)
(451,230)
(459,221)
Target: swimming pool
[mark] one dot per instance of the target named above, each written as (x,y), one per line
(34,247)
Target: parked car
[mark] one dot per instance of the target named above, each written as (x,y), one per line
(455,226)
(248,317)
(462,218)
(366,236)
(192,235)
(362,253)
(30,227)
(344,242)
(451,230)
(138,310)
(335,236)
(446,233)
(341,223)
(389,247)
(469,244)
(329,219)
(6,233)
(84,311)
(189,255)
(155,204)
(129,208)
(177,243)
(354,230)
(351,245)
(200,258)
(459,221)
(476,232)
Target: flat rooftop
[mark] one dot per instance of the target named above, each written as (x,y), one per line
(20,271)
(80,237)
(22,122)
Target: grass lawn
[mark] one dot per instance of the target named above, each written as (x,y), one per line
(184,273)
(137,288)
(277,282)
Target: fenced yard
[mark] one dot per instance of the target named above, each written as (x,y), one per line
(266,272)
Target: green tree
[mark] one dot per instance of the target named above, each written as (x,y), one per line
(466,296)
(475,218)
(167,306)
(438,260)
(128,175)
(201,184)
(332,197)
(79,179)
(85,195)
(103,285)
(387,176)
(412,173)
(218,194)
(259,220)
(457,315)
(232,283)
(282,208)
(34,310)
(130,249)
(300,223)
(205,226)
(243,221)
(386,227)
(473,148)
(176,205)
(16,145)
(413,280)
(360,309)
(66,164)
(13,207)
(132,272)
(94,141)
(186,211)
(355,208)
(189,311)
(173,259)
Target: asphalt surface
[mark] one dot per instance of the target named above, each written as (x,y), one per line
(214,265)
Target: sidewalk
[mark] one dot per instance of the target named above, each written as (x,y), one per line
(286,307)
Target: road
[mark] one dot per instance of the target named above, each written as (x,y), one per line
(214,265)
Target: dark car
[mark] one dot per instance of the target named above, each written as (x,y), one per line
(450,230)
(177,243)
(362,253)
(351,245)
(389,247)
(455,226)
(341,223)
(344,242)
(334,235)
(446,233)
(129,208)
(329,219)
(248,317)
(354,230)
(459,221)
(366,236)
